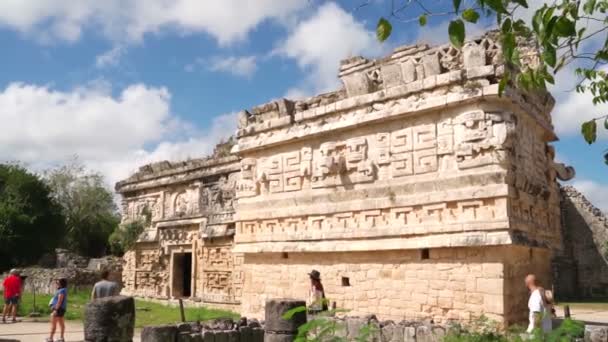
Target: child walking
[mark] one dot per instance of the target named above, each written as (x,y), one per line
(58,305)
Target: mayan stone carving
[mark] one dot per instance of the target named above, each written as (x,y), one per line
(428,192)
(186,247)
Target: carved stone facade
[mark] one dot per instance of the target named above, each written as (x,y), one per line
(185,250)
(416,190)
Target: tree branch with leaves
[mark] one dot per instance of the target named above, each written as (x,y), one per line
(566,32)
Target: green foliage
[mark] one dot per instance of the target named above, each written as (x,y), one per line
(324,328)
(561,29)
(470,15)
(31,223)
(384,29)
(422,20)
(456,31)
(483,330)
(87,205)
(125,236)
(589,131)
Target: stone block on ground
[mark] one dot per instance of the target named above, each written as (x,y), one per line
(276,308)
(165,333)
(110,319)
(596,333)
(272,337)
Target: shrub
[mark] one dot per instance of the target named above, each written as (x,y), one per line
(125,236)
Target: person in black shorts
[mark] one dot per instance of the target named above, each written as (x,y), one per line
(58,305)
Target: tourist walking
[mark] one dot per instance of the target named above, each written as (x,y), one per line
(316,299)
(104,287)
(58,305)
(12,293)
(540,314)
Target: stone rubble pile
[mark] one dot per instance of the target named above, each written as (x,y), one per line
(81,272)
(251,330)
(220,330)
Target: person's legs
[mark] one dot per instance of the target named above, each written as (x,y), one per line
(5,311)
(53,326)
(14,308)
(61,326)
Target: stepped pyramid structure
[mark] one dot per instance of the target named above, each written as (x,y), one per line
(416,190)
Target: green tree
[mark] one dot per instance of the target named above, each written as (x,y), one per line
(87,205)
(31,222)
(566,32)
(125,236)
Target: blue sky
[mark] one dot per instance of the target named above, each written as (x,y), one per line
(124,82)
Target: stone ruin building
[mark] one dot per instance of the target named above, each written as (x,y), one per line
(186,249)
(416,190)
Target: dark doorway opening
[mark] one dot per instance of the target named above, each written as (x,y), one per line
(182,275)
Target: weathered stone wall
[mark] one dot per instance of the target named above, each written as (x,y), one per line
(582,267)
(42,280)
(188,210)
(418,155)
(453,284)
(80,272)
(419,151)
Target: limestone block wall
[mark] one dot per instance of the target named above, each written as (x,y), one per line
(452,284)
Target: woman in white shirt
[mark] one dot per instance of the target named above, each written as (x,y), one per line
(316,297)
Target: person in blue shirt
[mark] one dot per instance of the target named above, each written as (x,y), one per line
(58,305)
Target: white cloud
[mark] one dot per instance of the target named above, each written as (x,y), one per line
(113,134)
(239,66)
(110,57)
(129,20)
(594,191)
(319,43)
(244,66)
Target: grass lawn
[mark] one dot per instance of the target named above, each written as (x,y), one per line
(146,313)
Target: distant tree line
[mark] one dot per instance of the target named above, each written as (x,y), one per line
(68,207)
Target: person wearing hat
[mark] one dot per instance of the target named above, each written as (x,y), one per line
(316,299)
(12,292)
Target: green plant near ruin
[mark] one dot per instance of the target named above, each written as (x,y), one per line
(125,236)
(484,330)
(570,34)
(324,328)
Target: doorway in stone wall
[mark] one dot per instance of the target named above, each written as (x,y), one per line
(182,275)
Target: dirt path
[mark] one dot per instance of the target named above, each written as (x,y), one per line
(38,331)
(596,313)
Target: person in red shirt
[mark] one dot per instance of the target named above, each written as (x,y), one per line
(12,292)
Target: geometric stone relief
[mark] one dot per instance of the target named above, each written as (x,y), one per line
(474,138)
(482,138)
(466,211)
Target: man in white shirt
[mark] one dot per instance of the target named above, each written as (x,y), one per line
(540,317)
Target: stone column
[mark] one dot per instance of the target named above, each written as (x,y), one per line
(278,329)
(110,319)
